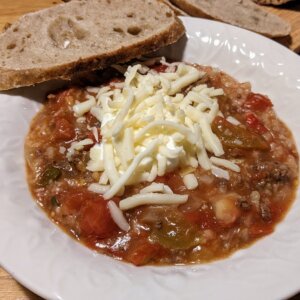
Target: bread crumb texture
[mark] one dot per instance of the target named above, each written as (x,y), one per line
(81,35)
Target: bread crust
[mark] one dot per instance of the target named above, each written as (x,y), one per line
(177,10)
(200,8)
(13,78)
(272,2)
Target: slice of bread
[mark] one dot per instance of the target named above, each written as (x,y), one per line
(242,13)
(83,35)
(177,10)
(272,2)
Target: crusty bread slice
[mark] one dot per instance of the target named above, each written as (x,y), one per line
(242,13)
(177,10)
(82,35)
(272,2)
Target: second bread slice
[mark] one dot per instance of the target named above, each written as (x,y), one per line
(242,13)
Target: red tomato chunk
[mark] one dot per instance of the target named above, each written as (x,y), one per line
(64,130)
(141,252)
(95,219)
(257,102)
(255,124)
(91,211)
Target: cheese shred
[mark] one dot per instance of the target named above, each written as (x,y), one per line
(152,199)
(149,127)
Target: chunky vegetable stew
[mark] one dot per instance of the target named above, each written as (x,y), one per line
(164,163)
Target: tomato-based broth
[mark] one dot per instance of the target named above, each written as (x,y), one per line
(200,206)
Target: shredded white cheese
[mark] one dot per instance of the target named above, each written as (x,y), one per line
(98,188)
(220,173)
(123,179)
(190,181)
(77,146)
(149,127)
(225,163)
(117,216)
(233,120)
(157,188)
(95,133)
(81,108)
(153,199)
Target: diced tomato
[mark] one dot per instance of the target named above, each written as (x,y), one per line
(95,219)
(64,130)
(91,210)
(73,198)
(160,68)
(258,230)
(203,218)
(257,102)
(141,252)
(255,124)
(72,204)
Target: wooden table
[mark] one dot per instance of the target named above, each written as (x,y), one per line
(11,10)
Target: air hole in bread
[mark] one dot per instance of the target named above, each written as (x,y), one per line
(21,50)
(130,15)
(134,30)
(79,18)
(168,14)
(11,46)
(16,29)
(64,32)
(118,29)
(28,35)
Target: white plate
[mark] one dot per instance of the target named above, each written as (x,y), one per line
(47,261)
